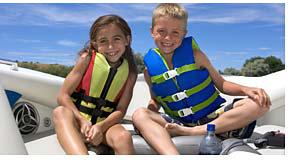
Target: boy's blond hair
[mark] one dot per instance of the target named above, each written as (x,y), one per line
(173,10)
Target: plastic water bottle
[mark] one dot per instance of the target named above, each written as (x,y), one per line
(210,144)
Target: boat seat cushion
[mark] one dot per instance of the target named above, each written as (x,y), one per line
(186,145)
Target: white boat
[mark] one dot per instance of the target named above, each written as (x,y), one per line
(28,97)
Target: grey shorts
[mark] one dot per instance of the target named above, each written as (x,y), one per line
(241,133)
(203,120)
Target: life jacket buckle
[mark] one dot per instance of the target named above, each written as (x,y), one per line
(185,112)
(100,102)
(170,74)
(96,112)
(179,96)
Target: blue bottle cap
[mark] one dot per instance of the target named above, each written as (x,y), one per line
(210,127)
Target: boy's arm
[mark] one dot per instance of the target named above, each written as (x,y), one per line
(223,86)
(153,104)
(230,88)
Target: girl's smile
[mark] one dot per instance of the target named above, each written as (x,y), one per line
(112,42)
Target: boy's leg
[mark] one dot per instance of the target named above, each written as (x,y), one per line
(67,131)
(244,112)
(119,139)
(152,127)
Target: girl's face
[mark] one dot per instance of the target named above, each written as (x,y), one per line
(111,42)
(168,33)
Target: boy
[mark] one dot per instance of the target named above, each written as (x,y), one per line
(183,81)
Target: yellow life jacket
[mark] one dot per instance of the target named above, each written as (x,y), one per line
(100,89)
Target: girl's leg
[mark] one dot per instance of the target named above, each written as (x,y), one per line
(119,139)
(243,112)
(67,131)
(152,127)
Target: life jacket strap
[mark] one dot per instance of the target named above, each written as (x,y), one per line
(79,96)
(190,110)
(111,75)
(93,112)
(187,93)
(99,102)
(173,73)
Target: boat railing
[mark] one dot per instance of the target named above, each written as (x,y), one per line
(14,64)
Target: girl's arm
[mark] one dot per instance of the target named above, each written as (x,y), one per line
(71,82)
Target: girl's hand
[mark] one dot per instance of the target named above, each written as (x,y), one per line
(95,135)
(85,126)
(259,95)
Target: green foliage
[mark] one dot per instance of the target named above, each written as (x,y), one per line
(275,64)
(231,71)
(63,71)
(138,58)
(257,66)
(252,60)
(54,69)
(220,72)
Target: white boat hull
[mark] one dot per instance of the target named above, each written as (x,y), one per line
(40,90)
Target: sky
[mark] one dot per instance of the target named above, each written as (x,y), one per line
(228,33)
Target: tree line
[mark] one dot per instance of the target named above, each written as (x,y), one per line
(63,70)
(254,67)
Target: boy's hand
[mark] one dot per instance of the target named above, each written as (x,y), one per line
(95,135)
(259,95)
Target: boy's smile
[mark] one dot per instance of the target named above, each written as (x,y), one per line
(168,33)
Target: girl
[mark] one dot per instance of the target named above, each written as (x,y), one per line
(96,93)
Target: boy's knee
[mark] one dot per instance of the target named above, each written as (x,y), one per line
(257,109)
(139,114)
(263,110)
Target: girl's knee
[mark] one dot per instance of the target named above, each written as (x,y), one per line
(60,113)
(139,114)
(123,138)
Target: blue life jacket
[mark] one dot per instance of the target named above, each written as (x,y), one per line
(186,93)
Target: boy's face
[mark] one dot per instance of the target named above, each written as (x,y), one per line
(168,33)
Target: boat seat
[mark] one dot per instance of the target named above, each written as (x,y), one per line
(52,146)
(187,145)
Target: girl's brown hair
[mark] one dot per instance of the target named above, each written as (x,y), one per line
(122,24)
